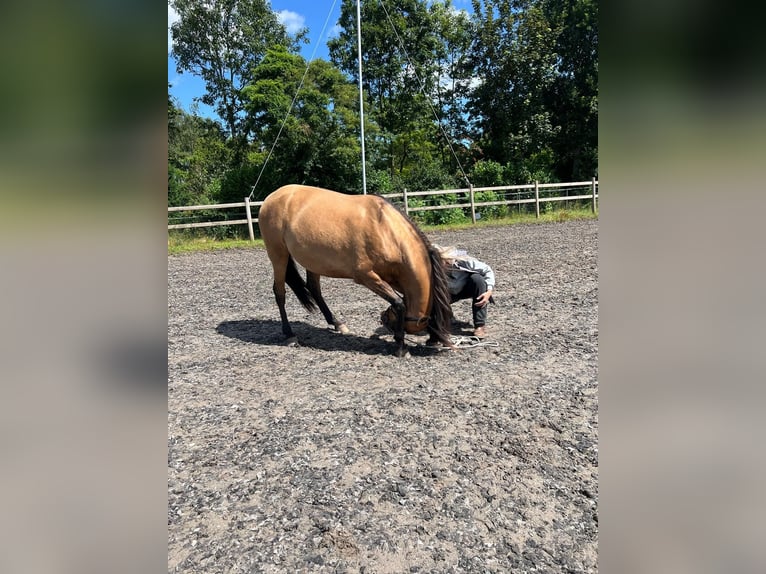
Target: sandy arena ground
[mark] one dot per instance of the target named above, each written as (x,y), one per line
(336,456)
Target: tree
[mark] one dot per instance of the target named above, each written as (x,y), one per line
(316,143)
(455,30)
(197,156)
(221,41)
(535,103)
(516,67)
(402,56)
(574,97)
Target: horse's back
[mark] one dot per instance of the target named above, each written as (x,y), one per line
(328,232)
(306,201)
(302,208)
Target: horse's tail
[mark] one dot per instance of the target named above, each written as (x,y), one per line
(440,323)
(298,285)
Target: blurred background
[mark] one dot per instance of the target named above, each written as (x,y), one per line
(682,142)
(82,266)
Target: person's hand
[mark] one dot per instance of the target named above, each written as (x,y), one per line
(483,299)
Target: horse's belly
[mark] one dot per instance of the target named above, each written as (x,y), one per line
(327,264)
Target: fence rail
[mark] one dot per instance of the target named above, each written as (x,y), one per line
(469,203)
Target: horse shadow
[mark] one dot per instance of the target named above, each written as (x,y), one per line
(269,332)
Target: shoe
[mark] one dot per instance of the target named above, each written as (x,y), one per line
(480,332)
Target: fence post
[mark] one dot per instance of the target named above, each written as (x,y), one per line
(473,203)
(537,200)
(406,204)
(249,218)
(593,188)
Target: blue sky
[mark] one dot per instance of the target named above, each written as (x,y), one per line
(295,14)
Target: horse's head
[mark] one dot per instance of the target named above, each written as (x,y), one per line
(389,319)
(392,321)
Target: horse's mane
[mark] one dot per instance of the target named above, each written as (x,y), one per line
(441,303)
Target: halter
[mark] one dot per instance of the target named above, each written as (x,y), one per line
(417,319)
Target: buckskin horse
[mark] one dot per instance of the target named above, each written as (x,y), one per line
(359,237)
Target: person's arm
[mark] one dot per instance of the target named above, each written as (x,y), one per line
(489,276)
(484,270)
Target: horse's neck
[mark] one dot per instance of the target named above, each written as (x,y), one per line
(417,288)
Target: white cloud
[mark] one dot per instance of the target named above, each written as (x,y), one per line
(291,20)
(172,17)
(334,31)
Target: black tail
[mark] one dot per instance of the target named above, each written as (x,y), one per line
(298,285)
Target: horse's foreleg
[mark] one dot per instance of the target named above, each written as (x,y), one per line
(312,282)
(375,284)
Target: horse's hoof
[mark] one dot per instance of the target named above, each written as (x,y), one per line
(340,328)
(292,342)
(402,353)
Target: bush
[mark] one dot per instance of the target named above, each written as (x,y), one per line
(380,182)
(487,173)
(425,177)
(437,216)
(491,211)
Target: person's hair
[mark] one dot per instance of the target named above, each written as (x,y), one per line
(451,253)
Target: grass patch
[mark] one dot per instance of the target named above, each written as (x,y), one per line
(184,244)
(555,216)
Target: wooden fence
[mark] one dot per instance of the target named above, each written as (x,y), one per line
(467,201)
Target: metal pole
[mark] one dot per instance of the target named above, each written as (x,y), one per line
(361,93)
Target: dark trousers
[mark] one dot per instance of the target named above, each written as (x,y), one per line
(475,286)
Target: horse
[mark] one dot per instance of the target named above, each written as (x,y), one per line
(359,237)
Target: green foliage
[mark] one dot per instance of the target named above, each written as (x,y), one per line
(490,211)
(432,176)
(318,142)
(537,95)
(197,156)
(488,173)
(428,176)
(448,216)
(574,98)
(537,167)
(380,182)
(237,183)
(221,41)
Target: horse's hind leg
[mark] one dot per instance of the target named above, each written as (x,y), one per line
(279,294)
(312,282)
(280,272)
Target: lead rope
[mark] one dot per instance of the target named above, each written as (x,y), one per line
(471,342)
(460,342)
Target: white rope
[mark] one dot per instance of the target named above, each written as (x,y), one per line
(471,342)
(459,341)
